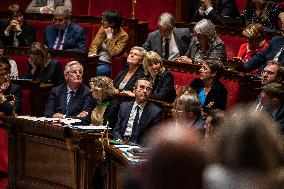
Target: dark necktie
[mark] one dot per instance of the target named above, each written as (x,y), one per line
(70,102)
(135,127)
(167,49)
(61,33)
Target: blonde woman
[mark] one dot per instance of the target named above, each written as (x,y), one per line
(163,81)
(41,67)
(105,106)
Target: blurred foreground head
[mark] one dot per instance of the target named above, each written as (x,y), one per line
(176,158)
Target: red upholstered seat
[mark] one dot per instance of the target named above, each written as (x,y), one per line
(118,63)
(3,151)
(241,4)
(233,88)
(232,44)
(22,63)
(89,29)
(26,103)
(40,26)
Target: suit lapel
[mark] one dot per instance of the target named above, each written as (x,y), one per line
(144,118)
(178,41)
(159,44)
(63,99)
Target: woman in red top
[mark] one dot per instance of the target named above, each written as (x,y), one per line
(254,34)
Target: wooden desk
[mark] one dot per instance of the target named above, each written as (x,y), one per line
(41,157)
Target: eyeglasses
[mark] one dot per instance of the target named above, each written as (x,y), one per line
(58,20)
(142,88)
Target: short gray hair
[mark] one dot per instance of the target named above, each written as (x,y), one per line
(166,20)
(142,51)
(69,64)
(205,27)
(62,10)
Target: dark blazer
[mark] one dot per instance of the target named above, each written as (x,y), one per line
(217,94)
(260,59)
(131,82)
(8,108)
(150,116)
(58,98)
(182,37)
(163,87)
(51,74)
(220,8)
(75,38)
(26,37)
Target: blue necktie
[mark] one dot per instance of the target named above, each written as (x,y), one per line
(135,127)
(70,102)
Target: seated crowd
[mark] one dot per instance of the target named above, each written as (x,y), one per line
(198,114)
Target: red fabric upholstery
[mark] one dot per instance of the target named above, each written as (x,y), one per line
(97,7)
(233,88)
(89,33)
(149,11)
(232,44)
(63,61)
(40,26)
(118,63)
(26,102)
(3,151)
(3,183)
(80,7)
(241,4)
(22,63)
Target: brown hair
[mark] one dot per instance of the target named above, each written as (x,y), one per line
(40,49)
(215,65)
(105,83)
(14,10)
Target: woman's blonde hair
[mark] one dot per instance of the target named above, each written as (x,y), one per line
(254,30)
(104,83)
(151,57)
(40,49)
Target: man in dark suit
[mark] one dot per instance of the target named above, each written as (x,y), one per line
(214,10)
(274,51)
(72,99)
(64,34)
(272,100)
(169,42)
(17,32)
(137,117)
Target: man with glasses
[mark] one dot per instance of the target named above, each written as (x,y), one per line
(64,34)
(72,99)
(17,32)
(137,117)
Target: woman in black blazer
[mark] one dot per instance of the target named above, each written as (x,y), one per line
(163,81)
(127,78)
(212,93)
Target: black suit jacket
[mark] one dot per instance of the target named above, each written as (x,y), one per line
(220,8)
(8,108)
(131,82)
(260,59)
(163,87)
(217,94)
(278,116)
(182,37)
(26,37)
(75,38)
(150,116)
(58,98)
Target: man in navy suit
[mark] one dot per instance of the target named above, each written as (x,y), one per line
(169,42)
(64,34)
(137,117)
(274,51)
(72,99)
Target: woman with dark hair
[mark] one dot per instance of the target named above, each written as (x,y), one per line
(11,63)
(10,94)
(163,81)
(211,92)
(17,32)
(41,67)
(265,12)
(110,41)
